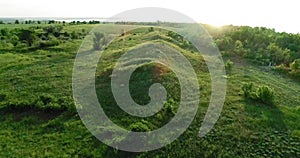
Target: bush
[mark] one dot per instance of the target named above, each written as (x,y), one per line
(53,41)
(20,104)
(75,35)
(151,29)
(295,74)
(27,36)
(228,66)
(6,45)
(48,102)
(2,97)
(282,69)
(265,95)
(53,30)
(248,90)
(46,99)
(292,71)
(139,127)
(67,102)
(295,65)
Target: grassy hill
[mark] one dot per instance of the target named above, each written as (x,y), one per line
(38,117)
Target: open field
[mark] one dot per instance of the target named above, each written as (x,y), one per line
(38,116)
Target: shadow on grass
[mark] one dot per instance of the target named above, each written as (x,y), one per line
(20,114)
(265,116)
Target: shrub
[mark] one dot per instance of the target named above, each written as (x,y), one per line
(21,45)
(295,65)
(265,95)
(151,29)
(20,104)
(6,45)
(295,74)
(75,35)
(228,66)
(53,106)
(282,69)
(139,127)
(170,109)
(48,102)
(46,99)
(28,36)
(2,97)
(248,90)
(67,102)
(53,30)
(53,41)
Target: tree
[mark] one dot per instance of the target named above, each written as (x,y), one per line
(54,30)
(97,40)
(276,54)
(28,36)
(17,22)
(239,48)
(1,22)
(4,32)
(51,22)
(225,44)
(151,29)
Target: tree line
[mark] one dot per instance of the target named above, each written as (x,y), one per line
(51,22)
(260,45)
(36,37)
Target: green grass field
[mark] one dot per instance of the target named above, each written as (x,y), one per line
(38,117)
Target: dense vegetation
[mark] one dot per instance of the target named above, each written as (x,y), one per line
(38,118)
(260,45)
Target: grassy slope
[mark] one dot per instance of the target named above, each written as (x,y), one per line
(245,129)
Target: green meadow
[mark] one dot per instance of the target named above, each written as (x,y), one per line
(38,118)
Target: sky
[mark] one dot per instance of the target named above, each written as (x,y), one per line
(283,15)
